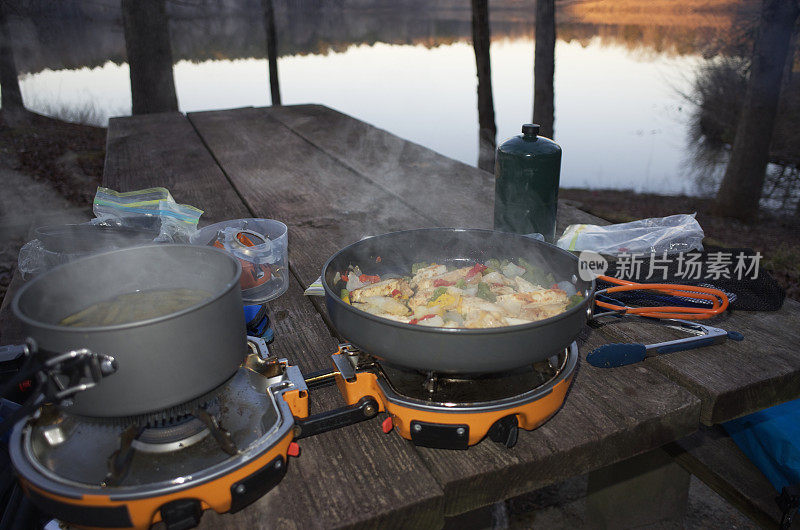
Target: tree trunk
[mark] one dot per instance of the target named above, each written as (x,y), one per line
(9,80)
(149,56)
(741,188)
(544,67)
(480,42)
(272,52)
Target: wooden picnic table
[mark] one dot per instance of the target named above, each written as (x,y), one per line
(334,179)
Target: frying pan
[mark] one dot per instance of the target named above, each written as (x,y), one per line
(454,350)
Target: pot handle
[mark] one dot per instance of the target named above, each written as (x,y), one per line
(55,378)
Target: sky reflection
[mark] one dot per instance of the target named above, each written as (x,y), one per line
(618,114)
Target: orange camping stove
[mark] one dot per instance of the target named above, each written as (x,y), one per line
(450,412)
(227,450)
(223,455)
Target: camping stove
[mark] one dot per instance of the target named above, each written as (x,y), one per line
(224,450)
(222,453)
(446,411)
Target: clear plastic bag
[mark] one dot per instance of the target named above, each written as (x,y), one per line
(673,234)
(148,209)
(122,220)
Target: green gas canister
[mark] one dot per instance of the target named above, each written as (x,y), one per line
(527,171)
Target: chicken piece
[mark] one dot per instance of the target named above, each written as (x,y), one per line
(524,286)
(452,276)
(388,305)
(382,288)
(420,298)
(434,322)
(484,319)
(380,312)
(540,312)
(470,304)
(539,297)
(427,272)
(495,277)
(501,289)
(423,296)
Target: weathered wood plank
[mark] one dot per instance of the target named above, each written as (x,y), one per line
(734,378)
(354,468)
(640,411)
(164,150)
(418,176)
(325,204)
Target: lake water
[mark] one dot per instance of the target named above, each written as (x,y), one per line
(621,116)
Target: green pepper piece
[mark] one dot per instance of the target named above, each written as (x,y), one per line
(439,291)
(417,266)
(486,293)
(574,300)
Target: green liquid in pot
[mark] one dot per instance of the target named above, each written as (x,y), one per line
(134,307)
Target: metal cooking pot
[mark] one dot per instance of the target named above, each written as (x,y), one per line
(162,362)
(455,350)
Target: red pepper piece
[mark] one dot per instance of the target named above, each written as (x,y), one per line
(395,292)
(442,283)
(479,267)
(366,278)
(415,320)
(344,278)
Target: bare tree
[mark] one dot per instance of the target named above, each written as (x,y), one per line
(480,42)
(739,194)
(544,67)
(13,107)
(272,52)
(149,56)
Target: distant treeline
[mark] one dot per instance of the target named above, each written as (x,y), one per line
(59,34)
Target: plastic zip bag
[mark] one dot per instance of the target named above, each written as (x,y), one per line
(151,208)
(672,234)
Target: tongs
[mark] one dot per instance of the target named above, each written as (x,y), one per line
(621,354)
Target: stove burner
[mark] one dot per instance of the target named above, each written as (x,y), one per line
(445,388)
(171,435)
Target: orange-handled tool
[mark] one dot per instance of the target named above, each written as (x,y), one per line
(718,299)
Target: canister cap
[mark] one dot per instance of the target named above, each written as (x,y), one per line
(530,129)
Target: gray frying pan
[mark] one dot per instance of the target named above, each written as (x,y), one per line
(454,350)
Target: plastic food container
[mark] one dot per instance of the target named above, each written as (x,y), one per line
(260,245)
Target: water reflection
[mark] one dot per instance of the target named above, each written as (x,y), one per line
(272,51)
(619,118)
(411,71)
(487,129)
(149,53)
(11,95)
(718,96)
(544,67)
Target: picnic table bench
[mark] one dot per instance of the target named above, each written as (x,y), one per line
(334,179)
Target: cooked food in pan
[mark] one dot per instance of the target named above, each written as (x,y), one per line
(133,307)
(480,295)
